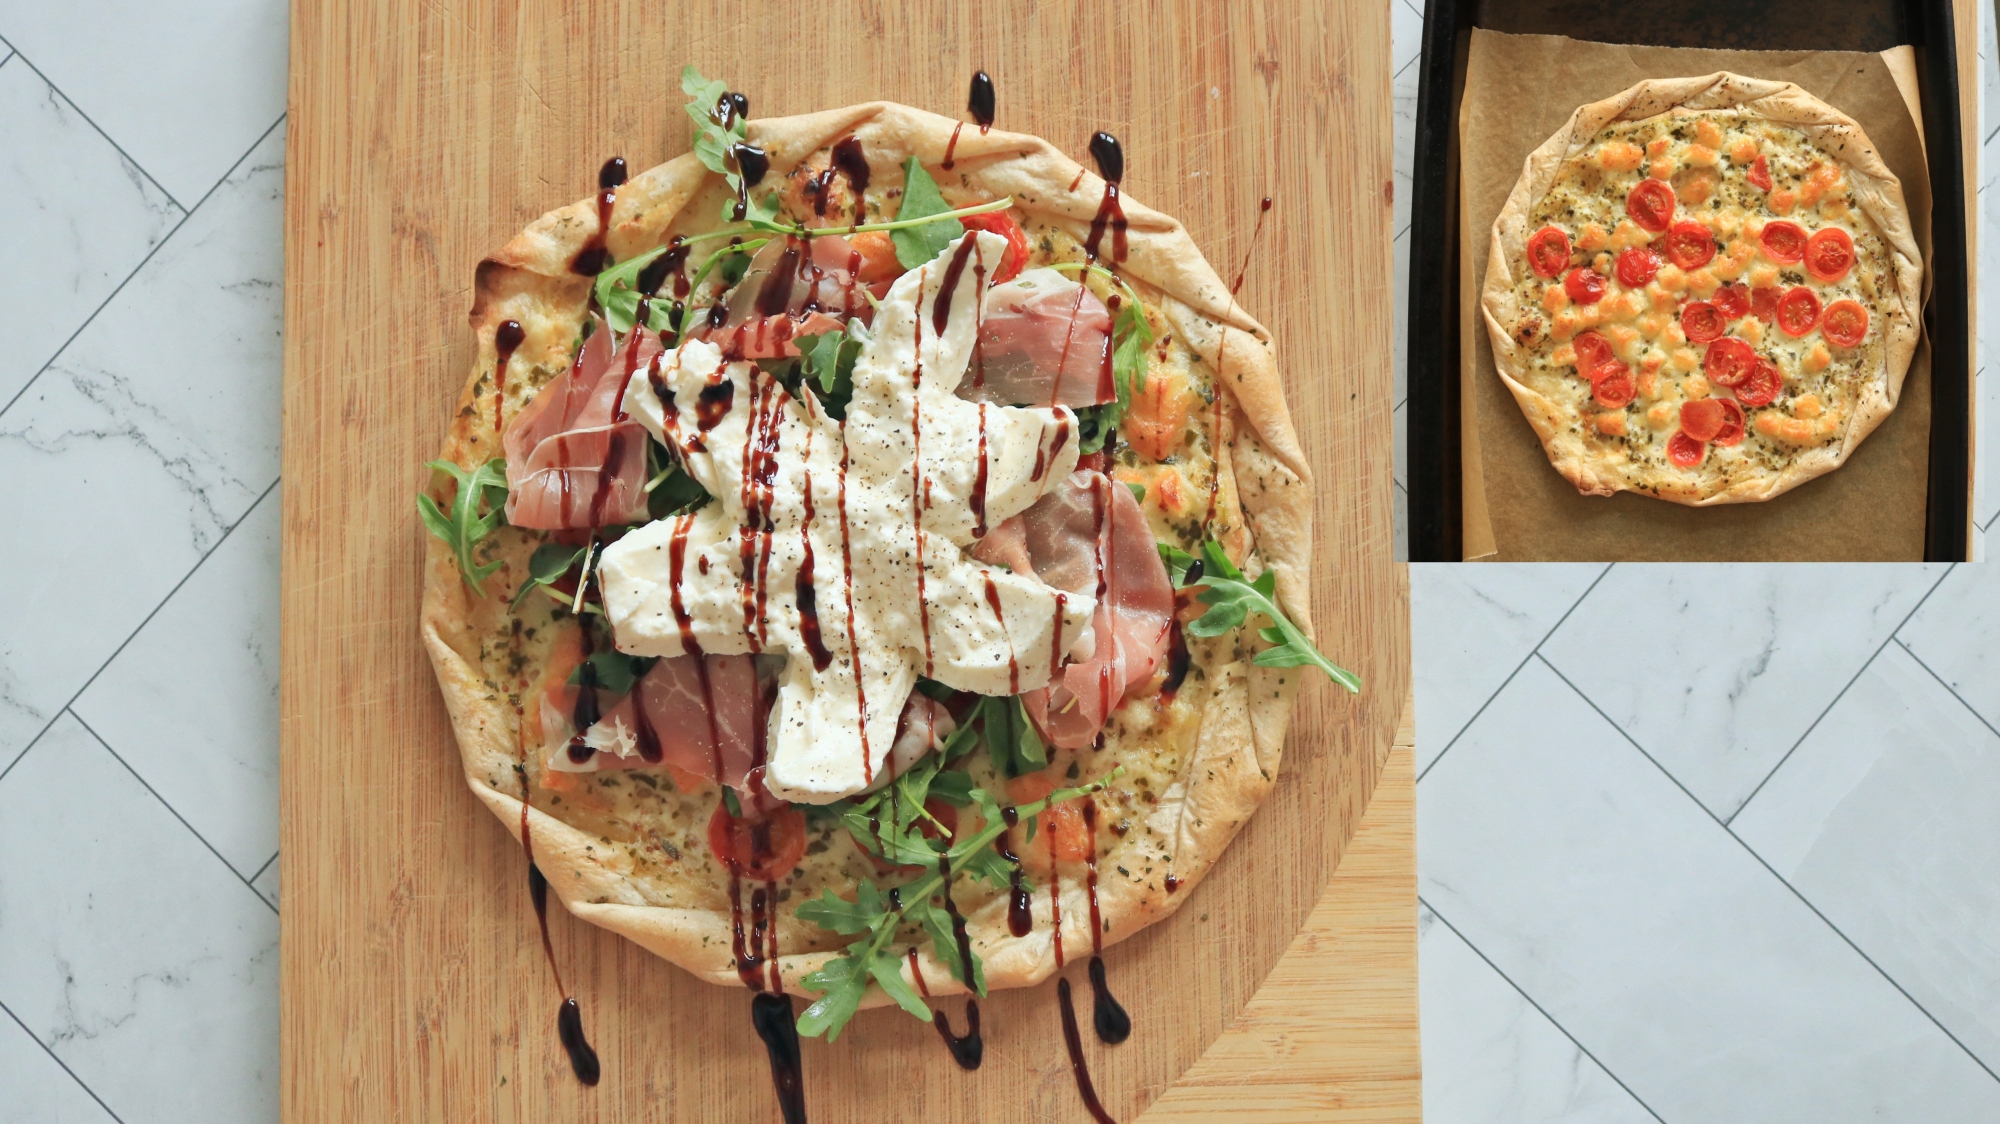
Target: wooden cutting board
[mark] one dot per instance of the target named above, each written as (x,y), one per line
(423,133)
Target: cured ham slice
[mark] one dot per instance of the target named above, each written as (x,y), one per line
(794,287)
(698,715)
(1089,536)
(1044,340)
(574,460)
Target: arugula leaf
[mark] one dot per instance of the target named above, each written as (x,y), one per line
(712,140)
(617,292)
(841,982)
(916,245)
(1011,740)
(1232,599)
(612,670)
(465,526)
(1131,336)
(1138,491)
(888,971)
(827,359)
(548,564)
(944,945)
(672,492)
(837,915)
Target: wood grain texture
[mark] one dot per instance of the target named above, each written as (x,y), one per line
(421,136)
(1965,33)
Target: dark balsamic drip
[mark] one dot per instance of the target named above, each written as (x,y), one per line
(676,559)
(1055,636)
(958,932)
(1073,184)
(947,288)
(1113,1024)
(569,1030)
(1110,159)
(1237,285)
(1020,910)
(772,1016)
(1074,1041)
(585,713)
(1090,831)
(674,261)
(967,1049)
(999,614)
(713,403)
(1061,437)
(770,415)
(1069,334)
(752,163)
(718,315)
(775,297)
(852,163)
(569,1016)
(729,107)
(1173,883)
(1055,912)
(820,188)
(979,482)
(917,974)
(950,147)
(980,101)
(593,257)
(506,338)
(1107,388)
(853,649)
(808,602)
(1178,661)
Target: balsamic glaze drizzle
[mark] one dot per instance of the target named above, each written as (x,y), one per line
(506,338)
(1074,1041)
(967,1049)
(980,101)
(772,1016)
(1110,158)
(593,257)
(1113,1024)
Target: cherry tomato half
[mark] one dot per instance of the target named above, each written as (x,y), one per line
(1637,266)
(1002,223)
(1702,418)
(1732,300)
(1760,174)
(1684,450)
(1729,361)
(1585,286)
(761,848)
(1593,351)
(1651,205)
(1548,251)
(1689,245)
(1829,254)
(1798,310)
(1613,387)
(1702,322)
(1783,242)
(1764,303)
(1845,323)
(1761,388)
(1732,423)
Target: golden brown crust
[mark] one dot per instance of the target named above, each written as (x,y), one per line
(1874,188)
(1240,729)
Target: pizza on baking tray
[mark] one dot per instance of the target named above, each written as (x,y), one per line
(1703,289)
(868,562)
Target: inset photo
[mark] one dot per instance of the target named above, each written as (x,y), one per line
(1692,287)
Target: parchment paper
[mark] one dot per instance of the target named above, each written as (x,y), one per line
(1519,89)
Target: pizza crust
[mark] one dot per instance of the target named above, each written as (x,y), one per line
(1873,187)
(1242,725)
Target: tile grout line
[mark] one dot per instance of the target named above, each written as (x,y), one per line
(231,867)
(260,870)
(140,627)
(186,214)
(1782,880)
(1532,653)
(25,61)
(1911,652)
(1523,993)
(37,1039)
(1821,717)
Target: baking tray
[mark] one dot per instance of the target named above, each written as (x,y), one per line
(1763,25)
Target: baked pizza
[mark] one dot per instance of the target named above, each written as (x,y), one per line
(1705,290)
(868,561)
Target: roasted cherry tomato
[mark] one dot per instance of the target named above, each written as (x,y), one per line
(1613,388)
(1002,223)
(1732,300)
(1829,254)
(1732,423)
(1637,266)
(1702,322)
(1548,251)
(1651,205)
(1585,286)
(1684,450)
(1764,303)
(1729,361)
(1689,245)
(1783,242)
(762,848)
(1761,388)
(1845,323)
(1798,310)
(1759,174)
(1593,351)
(1702,418)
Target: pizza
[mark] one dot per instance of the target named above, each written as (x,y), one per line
(1704,290)
(867,561)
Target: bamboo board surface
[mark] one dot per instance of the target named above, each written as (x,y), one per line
(421,136)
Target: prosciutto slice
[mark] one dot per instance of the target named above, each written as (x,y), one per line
(1089,536)
(574,459)
(794,287)
(698,714)
(1044,340)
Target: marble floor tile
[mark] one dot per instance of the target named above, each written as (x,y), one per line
(1490,1057)
(1406,33)
(1957,635)
(266,881)
(149,437)
(191,702)
(182,88)
(143,962)
(1718,670)
(1471,626)
(1402,515)
(34,1087)
(1885,819)
(79,218)
(1660,942)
